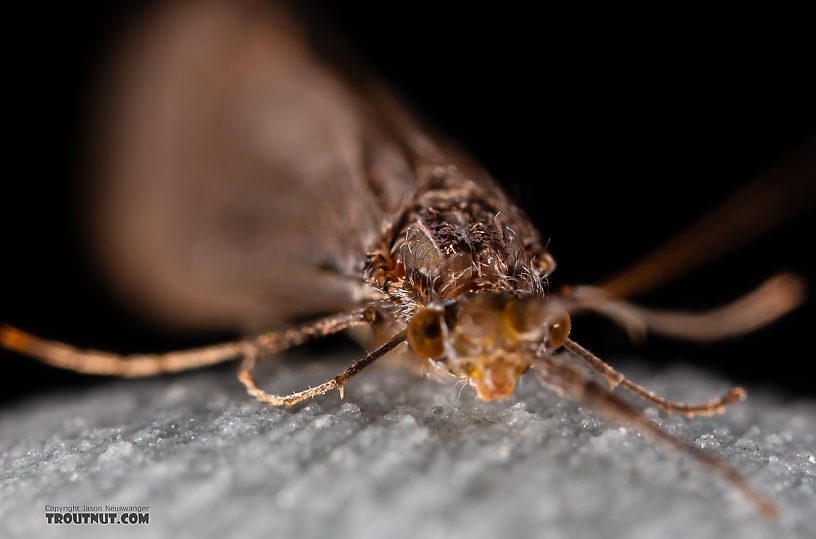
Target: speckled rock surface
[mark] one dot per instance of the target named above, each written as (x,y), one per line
(401,456)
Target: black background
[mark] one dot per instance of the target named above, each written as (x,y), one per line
(612,133)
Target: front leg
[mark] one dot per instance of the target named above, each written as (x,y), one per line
(65,356)
(338,382)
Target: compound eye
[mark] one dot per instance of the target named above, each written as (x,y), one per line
(425,334)
(558,328)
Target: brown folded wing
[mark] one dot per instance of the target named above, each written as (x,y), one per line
(239,178)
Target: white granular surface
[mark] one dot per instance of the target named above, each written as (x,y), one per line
(402,456)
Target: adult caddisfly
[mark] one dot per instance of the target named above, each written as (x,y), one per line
(227,126)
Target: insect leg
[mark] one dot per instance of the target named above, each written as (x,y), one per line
(615,378)
(65,356)
(567,380)
(277,341)
(62,355)
(246,378)
(770,300)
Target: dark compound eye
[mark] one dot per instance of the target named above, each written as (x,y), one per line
(425,334)
(432,331)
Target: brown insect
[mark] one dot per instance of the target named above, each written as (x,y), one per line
(228,111)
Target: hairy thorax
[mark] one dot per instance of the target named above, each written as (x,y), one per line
(455,236)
